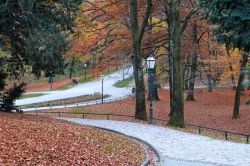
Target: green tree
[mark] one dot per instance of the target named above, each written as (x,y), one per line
(231,20)
(33,32)
(8,97)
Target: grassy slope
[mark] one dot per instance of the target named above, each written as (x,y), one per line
(25,96)
(124,83)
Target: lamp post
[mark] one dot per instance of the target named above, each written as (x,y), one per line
(102,77)
(51,82)
(85,68)
(123,72)
(150,65)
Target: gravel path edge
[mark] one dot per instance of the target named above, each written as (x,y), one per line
(163,158)
(147,161)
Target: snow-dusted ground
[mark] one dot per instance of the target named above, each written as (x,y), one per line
(178,148)
(85,88)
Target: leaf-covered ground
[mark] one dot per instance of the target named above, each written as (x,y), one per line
(44,86)
(211,109)
(34,140)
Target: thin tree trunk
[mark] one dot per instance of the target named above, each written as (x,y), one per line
(71,67)
(186,74)
(248,88)
(209,76)
(194,58)
(230,67)
(238,88)
(191,82)
(210,85)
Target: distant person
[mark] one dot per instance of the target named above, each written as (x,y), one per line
(133,90)
(74,81)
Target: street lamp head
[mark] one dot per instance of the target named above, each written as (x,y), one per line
(85,65)
(150,62)
(102,77)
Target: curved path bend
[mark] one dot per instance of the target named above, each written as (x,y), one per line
(84,89)
(177,148)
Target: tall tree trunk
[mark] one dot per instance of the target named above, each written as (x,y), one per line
(140,110)
(194,57)
(176,27)
(137,35)
(230,66)
(176,116)
(238,88)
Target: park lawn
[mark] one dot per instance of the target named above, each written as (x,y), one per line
(109,72)
(35,140)
(71,84)
(30,95)
(89,78)
(67,86)
(124,83)
(62,102)
(83,80)
(248,102)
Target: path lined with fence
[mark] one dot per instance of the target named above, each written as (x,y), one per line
(221,134)
(177,148)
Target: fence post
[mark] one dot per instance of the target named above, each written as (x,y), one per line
(59,114)
(107,116)
(247,139)
(199,129)
(83,116)
(226,135)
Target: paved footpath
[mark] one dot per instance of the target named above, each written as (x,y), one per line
(84,89)
(177,148)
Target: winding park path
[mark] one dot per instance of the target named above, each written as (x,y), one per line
(177,148)
(84,89)
(174,148)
